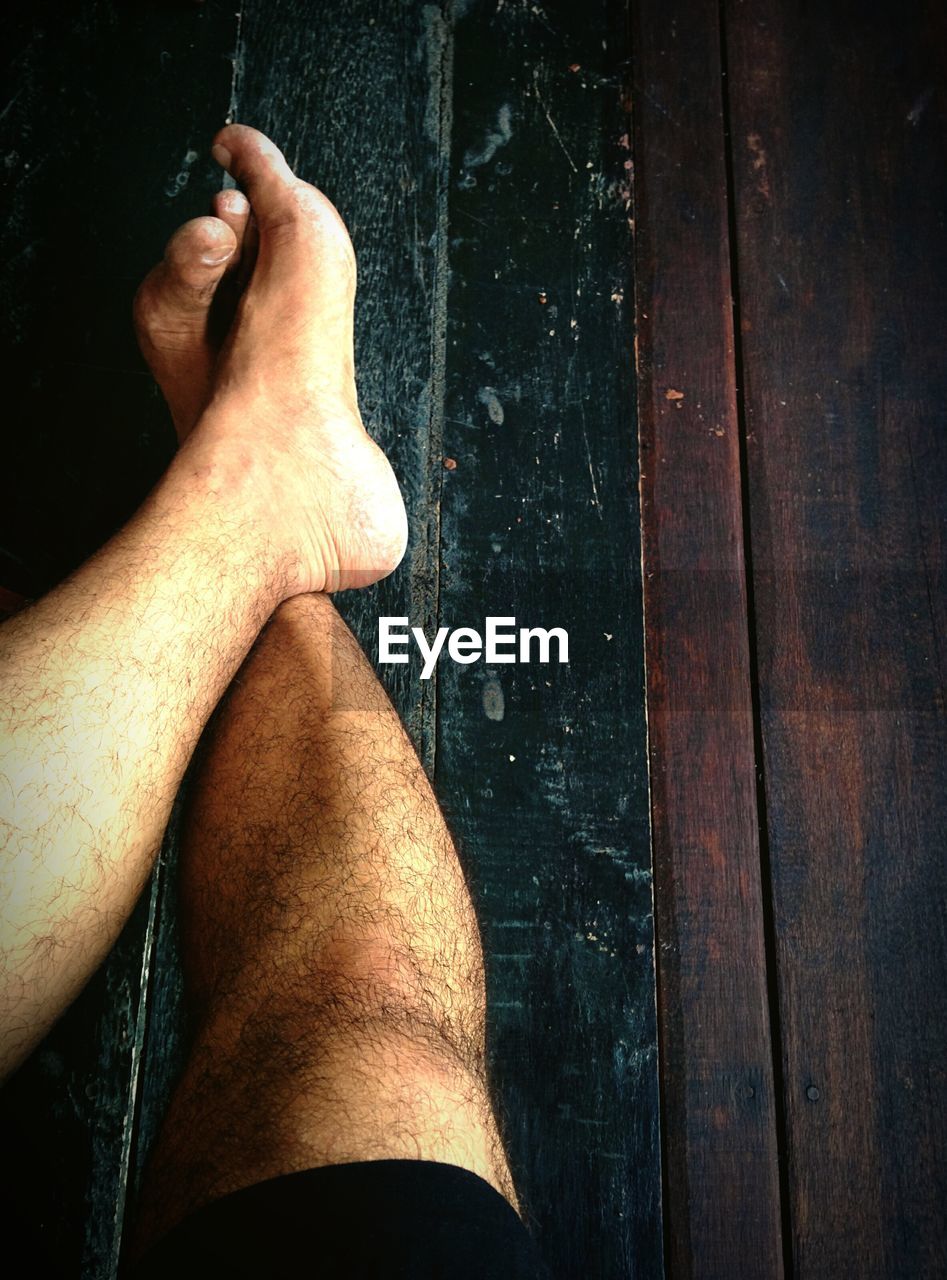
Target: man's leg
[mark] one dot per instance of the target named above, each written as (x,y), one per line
(107,683)
(331,951)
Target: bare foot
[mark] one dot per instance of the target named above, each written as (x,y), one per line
(252,346)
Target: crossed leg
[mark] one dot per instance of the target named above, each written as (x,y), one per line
(331,949)
(331,952)
(107,682)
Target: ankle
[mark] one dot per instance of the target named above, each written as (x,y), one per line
(222,488)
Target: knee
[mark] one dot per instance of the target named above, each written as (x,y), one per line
(371,986)
(371,995)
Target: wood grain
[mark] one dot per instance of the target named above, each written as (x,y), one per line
(542,768)
(838,115)
(722,1199)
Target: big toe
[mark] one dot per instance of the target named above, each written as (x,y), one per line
(298,224)
(172,311)
(184,283)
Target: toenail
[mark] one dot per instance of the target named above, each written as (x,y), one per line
(222,156)
(216,257)
(234,201)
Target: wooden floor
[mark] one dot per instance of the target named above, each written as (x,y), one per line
(652,324)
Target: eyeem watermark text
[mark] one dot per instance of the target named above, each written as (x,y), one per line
(501,642)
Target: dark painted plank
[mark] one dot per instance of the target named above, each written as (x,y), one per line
(65,1123)
(108,109)
(543,768)
(722,1201)
(352,93)
(838,122)
(104,143)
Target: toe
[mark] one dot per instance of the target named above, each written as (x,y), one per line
(172,304)
(233,208)
(173,312)
(289,213)
(261,169)
(195,259)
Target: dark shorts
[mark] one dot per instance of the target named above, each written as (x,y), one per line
(381,1218)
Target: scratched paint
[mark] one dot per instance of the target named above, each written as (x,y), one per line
(495,138)
(547,500)
(491,402)
(183,175)
(494,704)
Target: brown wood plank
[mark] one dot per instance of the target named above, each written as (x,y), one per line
(838,124)
(722,1203)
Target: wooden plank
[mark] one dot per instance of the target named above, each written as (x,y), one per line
(722,1201)
(322,84)
(352,92)
(838,115)
(64,1118)
(88,206)
(88,203)
(543,768)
